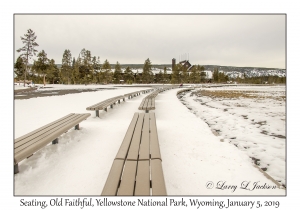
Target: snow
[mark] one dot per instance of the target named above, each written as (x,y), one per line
(192,155)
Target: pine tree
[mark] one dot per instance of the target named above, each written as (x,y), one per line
(147,71)
(165,76)
(19,67)
(106,75)
(216,75)
(159,77)
(28,49)
(66,68)
(95,68)
(52,71)
(202,74)
(41,65)
(175,75)
(117,73)
(128,75)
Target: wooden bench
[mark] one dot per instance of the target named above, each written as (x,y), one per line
(104,104)
(137,168)
(28,144)
(136,93)
(148,103)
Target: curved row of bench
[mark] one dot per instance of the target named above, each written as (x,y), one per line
(137,168)
(111,101)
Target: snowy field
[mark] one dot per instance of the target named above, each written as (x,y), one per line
(253,118)
(196,161)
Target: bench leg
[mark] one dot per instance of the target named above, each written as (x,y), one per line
(111,106)
(16,169)
(55,141)
(97,113)
(147,111)
(105,109)
(77,127)
(128,97)
(123,99)
(118,101)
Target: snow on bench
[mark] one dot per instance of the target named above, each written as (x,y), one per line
(148,103)
(28,144)
(137,168)
(104,104)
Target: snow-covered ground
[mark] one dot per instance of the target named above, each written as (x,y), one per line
(251,117)
(195,161)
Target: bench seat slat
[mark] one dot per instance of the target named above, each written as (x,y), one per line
(142,186)
(31,147)
(144,152)
(123,150)
(128,178)
(157,177)
(93,107)
(113,179)
(104,104)
(45,126)
(154,144)
(40,133)
(136,139)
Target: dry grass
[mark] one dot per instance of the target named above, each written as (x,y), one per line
(232,94)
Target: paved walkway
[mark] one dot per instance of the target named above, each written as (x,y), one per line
(194,157)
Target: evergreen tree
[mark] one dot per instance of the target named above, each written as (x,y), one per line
(19,68)
(66,68)
(117,73)
(202,74)
(193,75)
(175,74)
(138,77)
(128,75)
(41,65)
(216,75)
(165,76)
(52,72)
(28,49)
(95,68)
(106,75)
(147,71)
(184,74)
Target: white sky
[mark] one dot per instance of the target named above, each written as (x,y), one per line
(233,40)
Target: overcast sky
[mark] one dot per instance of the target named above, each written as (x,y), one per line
(232,40)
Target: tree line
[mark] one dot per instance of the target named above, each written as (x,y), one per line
(87,69)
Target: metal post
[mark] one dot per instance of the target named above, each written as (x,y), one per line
(55,141)
(77,127)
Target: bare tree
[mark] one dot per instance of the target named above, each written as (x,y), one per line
(28,49)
